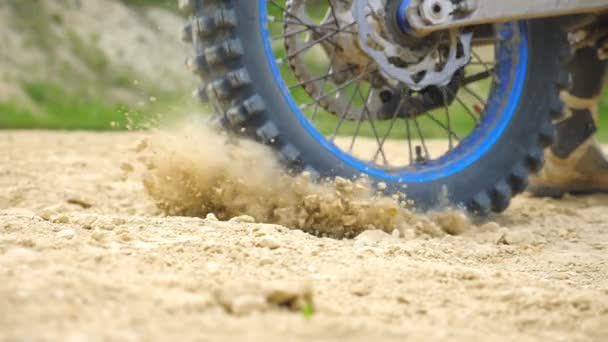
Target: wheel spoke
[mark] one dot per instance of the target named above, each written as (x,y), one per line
(466,108)
(306,28)
(335,90)
(475,95)
(320,78)
(345,113)
(427,155)
(451,133)
(361,101)
(298,20)
(333,13)
(312,44)
(408,131)
(478,77)
(489,69)
(371,123)
(449,121)
(394,117)
(358,128)
(323,83)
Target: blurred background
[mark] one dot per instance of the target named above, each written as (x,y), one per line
(92,65)
(99,65)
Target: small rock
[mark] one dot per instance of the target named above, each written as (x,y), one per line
(243,305)
(372,238)
(88,222)
(268,242)
(369,251)
(240,298)
(127,167)
(344,185)
(125,237)
(117,221)
(141,145)
(361,289)
(242,219)
(66,234)
(99,236)
(402,299)
(501,237)
(60,219)
(211,217)
(213,267)
(27,243)
(266,260)
(107,226)
(79,202)
(47,213)
(263,230)
(290,294)
(381,186)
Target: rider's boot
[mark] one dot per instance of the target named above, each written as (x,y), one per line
(575,163)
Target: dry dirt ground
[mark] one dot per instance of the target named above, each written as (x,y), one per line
(86,255)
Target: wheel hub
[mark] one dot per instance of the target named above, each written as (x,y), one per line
(439,62)
(401,16)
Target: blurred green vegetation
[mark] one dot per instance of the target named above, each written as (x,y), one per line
(57,107)
(603,124)
(59,96)
(60,109)
(168,4)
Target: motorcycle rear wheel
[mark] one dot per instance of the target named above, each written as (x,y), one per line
(242,78)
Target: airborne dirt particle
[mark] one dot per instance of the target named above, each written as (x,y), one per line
(452,222)
(194,171)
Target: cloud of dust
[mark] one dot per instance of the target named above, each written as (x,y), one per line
(193,170)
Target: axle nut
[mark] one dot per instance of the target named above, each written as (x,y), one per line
(436,12)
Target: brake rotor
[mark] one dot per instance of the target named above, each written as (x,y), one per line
(437,68)
(339,36)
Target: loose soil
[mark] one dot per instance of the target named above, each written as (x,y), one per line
(95,245)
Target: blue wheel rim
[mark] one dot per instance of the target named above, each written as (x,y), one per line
(501,108)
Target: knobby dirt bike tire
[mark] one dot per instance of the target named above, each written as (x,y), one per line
(229,59)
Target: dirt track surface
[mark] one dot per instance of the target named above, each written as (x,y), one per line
(85,255)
